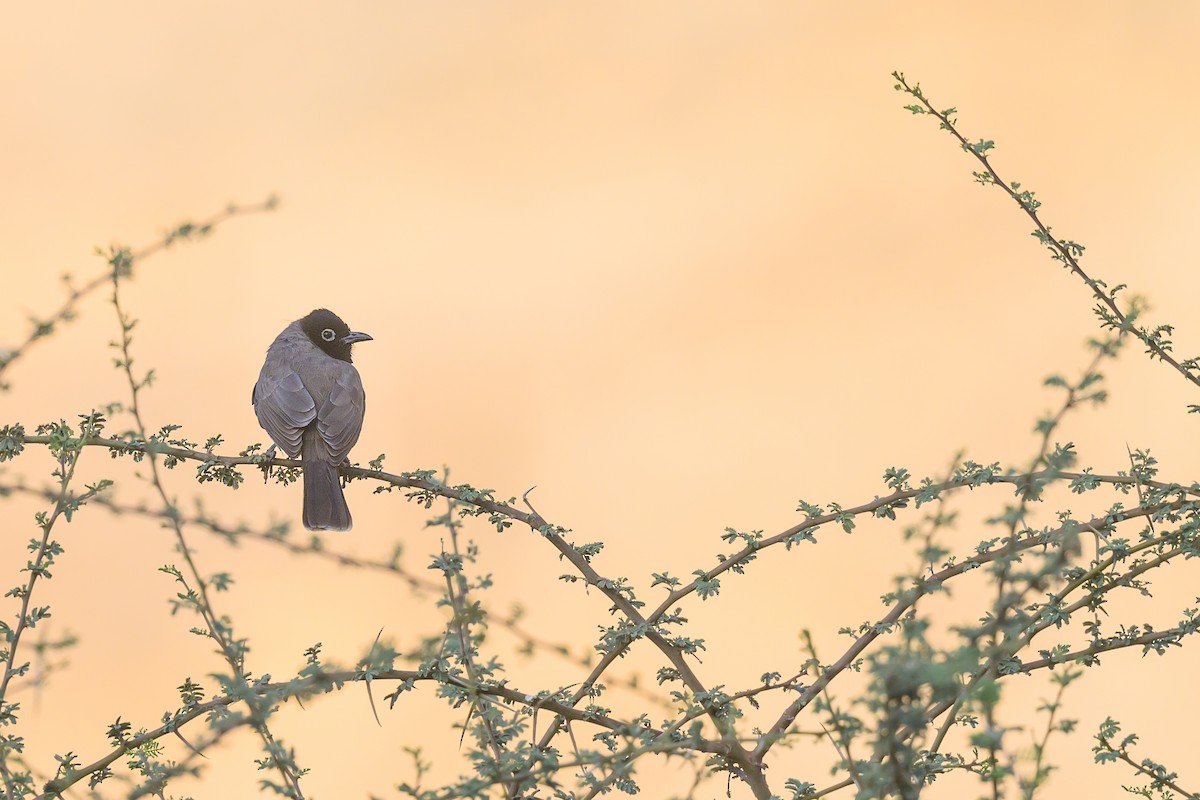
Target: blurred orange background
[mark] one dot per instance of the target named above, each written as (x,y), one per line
(677,264)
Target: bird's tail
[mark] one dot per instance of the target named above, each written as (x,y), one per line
(325,506)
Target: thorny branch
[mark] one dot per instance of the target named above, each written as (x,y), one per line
(1168,497)
(323,682)
(219,630)
(1012,627)
(1065,251)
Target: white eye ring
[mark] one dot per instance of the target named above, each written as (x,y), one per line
(328,335)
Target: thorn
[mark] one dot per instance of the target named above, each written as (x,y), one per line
(189,744)
(574,744)
(467,721)
(525,500)
(371,699)
(367,679)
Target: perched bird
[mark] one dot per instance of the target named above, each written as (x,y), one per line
(310,400)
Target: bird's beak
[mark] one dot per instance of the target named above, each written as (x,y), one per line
(355,336)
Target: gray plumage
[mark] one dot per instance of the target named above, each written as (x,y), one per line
(310,400)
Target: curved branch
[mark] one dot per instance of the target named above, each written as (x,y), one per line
(1063,251)
(923,588)
(329,681)
(424,486)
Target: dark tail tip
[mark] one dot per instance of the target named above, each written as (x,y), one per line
(325,506)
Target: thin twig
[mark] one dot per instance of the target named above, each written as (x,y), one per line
(218,629)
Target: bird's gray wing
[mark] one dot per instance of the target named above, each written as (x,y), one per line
(340,417)
(284,408)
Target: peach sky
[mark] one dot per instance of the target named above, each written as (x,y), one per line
(677,264)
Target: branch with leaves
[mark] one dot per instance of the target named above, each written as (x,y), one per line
(1162,781)
(1159,500)
(1065,251)
(929,699)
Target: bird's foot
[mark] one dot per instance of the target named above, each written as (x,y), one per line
(265,464)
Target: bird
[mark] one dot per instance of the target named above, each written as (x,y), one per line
(310,400)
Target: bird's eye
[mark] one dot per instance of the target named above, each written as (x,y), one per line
(328,335)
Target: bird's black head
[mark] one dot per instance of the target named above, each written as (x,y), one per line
(328,332)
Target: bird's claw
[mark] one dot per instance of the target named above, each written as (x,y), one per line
(265,464)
